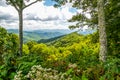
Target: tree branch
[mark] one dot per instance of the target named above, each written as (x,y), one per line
(13,3)
(31,4)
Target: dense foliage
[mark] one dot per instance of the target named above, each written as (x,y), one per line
(112,18)
(76,59)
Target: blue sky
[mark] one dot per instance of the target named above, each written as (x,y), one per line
(41,15)
(49,2)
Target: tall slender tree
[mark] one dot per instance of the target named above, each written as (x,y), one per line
(112,17)
(94,8)
(20,5)
(102,31)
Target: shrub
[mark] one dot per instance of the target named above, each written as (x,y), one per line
(39,73)
(25,49)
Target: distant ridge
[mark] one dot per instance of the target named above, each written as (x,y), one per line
(63,41)
(49,40)
(41,34)
(46,35)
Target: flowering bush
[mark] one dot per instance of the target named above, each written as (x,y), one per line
(39,73)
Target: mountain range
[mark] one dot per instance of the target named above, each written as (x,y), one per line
(44,35)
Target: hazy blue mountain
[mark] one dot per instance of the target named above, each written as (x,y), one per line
(86,32)
(41,34)
(50,40)
(13,31)
(45,34)
(64,31)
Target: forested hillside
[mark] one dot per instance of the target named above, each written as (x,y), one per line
(66,40)
(73,54)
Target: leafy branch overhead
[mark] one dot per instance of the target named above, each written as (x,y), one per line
(20,4)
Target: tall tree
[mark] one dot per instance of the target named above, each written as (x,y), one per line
(102,31)
(20,5)
(94,8)
(112,18)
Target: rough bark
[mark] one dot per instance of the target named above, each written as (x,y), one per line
(20,31)
(102,31)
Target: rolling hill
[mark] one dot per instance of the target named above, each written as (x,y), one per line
(63,41)
(41,34)
(49,35)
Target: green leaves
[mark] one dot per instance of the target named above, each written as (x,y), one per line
(69,71)
(84,77)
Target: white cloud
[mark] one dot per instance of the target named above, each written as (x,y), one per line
(39,16)
(43,12)
(8,10)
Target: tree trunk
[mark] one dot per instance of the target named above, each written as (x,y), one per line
(102,31)
(20,31)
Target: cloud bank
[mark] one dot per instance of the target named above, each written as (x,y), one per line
(37,16)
